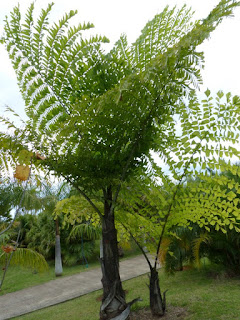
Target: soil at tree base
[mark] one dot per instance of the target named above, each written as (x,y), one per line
(173,313)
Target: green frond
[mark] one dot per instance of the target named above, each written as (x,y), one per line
(48,61)
(37,37)
(85,231)
(27,258)
(55,36)
(76,210)
(166,242)
(74,253)
(160,34)
(121,54)
(59,65)
(203,238)
(27,31)
(5,237)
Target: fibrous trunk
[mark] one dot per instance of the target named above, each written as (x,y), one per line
(157,302)
(113,302)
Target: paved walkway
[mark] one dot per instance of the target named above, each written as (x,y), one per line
(63,289)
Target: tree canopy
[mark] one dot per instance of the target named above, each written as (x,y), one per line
(96,115)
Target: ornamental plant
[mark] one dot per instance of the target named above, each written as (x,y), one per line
(96,116)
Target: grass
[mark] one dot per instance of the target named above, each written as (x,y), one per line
(204,297)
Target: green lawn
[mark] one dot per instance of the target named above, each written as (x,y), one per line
(204,297)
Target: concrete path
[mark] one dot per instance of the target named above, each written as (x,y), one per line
(63,289)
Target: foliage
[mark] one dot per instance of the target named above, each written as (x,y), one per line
(9,197)
(86,230)
(183,246)
(76,209)
(37,232)
(179,250)
(72,89)
(190,246)
(209,199)
(223,249)
(26,258)
(202,152)
(7,159)
(39,235)
(203,238)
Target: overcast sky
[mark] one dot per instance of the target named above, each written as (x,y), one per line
(111,18)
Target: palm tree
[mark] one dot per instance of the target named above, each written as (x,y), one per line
(50,200)
(15,197)
(10,252)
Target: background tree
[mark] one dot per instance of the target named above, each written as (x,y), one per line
(50,200)
(13,248)
(41,238)
(96,116)
(9,198)
(12,253)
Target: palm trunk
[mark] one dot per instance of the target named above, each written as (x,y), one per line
(58,258)
(113,302)
(157,302)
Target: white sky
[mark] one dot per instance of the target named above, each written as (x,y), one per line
(111,18)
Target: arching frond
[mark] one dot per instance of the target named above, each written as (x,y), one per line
(160,34)
(27,258)
(40,27)
(164,250)
(49,61)
(203,238)
(85,231)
